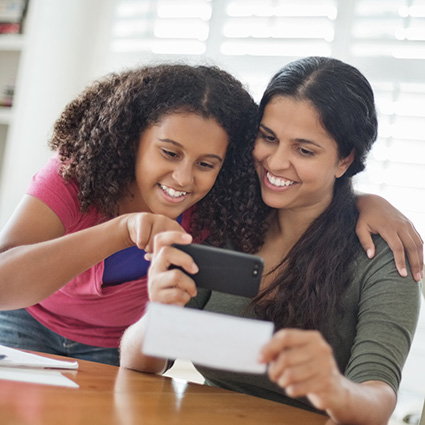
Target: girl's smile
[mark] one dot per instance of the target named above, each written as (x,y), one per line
(171,194)
(177,164)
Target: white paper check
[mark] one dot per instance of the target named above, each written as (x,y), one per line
(209,339)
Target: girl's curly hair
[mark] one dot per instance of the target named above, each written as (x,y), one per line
(97,138)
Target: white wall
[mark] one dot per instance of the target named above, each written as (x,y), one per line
(64,50)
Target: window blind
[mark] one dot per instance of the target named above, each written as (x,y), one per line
(385,39)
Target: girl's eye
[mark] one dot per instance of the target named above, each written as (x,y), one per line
(169,154)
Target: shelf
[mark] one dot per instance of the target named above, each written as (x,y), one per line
(11,42)
(5,115)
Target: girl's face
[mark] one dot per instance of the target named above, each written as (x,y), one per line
(296,159)
(177,163)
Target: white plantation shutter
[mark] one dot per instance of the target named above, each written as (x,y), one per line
(387,41)
(254,38)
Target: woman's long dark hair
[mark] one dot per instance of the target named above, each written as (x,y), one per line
(97,138)
(314,275)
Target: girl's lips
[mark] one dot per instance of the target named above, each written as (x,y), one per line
(172,195)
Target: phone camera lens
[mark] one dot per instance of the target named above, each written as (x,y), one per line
(255,271)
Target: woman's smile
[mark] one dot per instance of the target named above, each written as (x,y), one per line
(275,182)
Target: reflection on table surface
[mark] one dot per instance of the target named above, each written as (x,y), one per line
(110,395)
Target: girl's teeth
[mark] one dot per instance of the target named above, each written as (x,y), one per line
(173,193)
(278,182)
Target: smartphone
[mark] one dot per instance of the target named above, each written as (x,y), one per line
(224,270)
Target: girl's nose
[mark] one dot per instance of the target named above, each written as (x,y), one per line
(183,175)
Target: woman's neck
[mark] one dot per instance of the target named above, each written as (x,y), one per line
(286,228)
(291,224)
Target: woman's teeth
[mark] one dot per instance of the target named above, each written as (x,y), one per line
(276,181)
(171,192)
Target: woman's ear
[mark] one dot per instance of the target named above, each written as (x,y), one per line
(344,164)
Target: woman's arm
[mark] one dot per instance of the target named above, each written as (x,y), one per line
(387,309)
(37,259)
(303,364)
(378,216)
(131,356)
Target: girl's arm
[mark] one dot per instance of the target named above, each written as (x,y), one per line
(378,216)
(37,258)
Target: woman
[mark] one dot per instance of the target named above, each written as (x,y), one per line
(344,324)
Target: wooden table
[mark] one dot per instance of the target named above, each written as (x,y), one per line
(110,395)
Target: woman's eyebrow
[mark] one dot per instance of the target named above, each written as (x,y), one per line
(269,130)
(309,142)
(299,140)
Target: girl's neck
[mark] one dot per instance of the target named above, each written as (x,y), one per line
(130,203)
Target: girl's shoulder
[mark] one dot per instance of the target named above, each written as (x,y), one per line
(61,196)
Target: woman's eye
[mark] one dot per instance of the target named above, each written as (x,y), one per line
(206,165)
(306,152)
(267,137)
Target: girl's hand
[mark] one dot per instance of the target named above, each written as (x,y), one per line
(142,228)
(303,364)
(171,285)
(378,216)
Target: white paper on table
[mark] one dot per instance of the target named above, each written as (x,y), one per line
(18,358)
(209,339)
(36,376)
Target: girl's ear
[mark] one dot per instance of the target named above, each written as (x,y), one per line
(344,164)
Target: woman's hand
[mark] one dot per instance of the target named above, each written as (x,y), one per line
(303,364)
(142,228)
(378,216)
(171,285)
(165,285)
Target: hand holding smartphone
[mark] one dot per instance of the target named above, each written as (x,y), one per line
(224,270)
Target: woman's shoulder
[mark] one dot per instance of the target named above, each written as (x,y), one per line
(381,270)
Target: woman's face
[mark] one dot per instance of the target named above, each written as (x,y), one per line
(177,163)
(296,159)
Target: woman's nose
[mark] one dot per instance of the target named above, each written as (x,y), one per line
(279,159)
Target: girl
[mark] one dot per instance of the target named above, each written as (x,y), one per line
(135,151)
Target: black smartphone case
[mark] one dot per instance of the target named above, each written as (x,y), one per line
(224,270)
